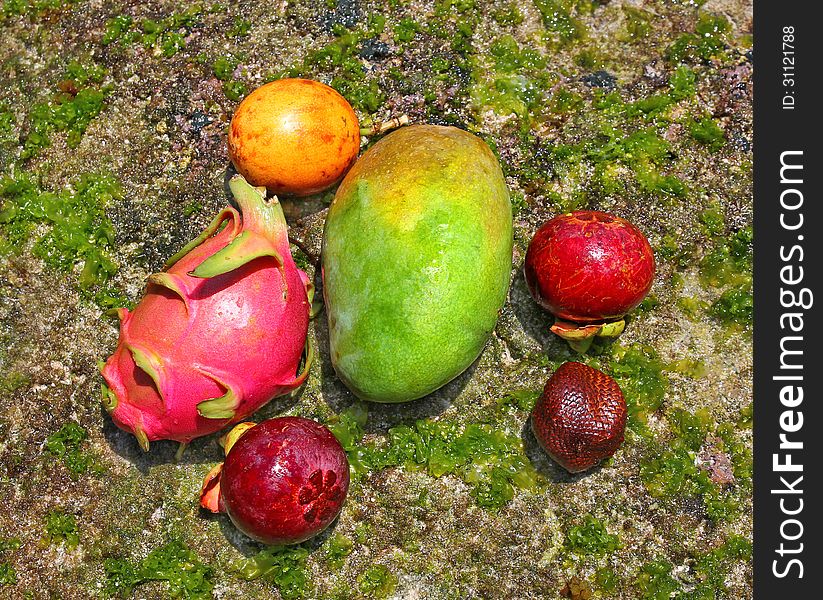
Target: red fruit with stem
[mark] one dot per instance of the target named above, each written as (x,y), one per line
(283,481)
(581,417)
(589,269)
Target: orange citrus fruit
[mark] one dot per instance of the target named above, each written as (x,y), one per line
(294,136)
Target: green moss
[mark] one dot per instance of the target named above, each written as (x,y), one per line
(508,14)
(639,372)
(670,471)
(8,575)
(516,82)
(509,57)
(65,113)
(377,582)
(690,367)
(405,30)
(637,23)
(167,36)
(192,207)
(8,125)
(337,549)
(708,133)
(713,566)
(691,428)
(729,260)
(707,41)
(284,566)
(240,28)
(11,381)
(348,428)
(115,28)
(224,67)
(61,528)
(734,306)
(643,151)
(655,581)
(606,579)
(13,8)
(565,101)
(738,451)
(174,563)
(340,58)
(694,308)
(674,251)
(9,544)
(523,399)
(78,231)
(234,90)
(712,220)
(560,18)
(66,444)
(746,417)
(728,264)
(682,83)
(590,537)
(489,460)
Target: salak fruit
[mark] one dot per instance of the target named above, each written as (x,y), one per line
(588,269)
(283,481)
(417,256)
(294,136)
(218,334)
(581,417)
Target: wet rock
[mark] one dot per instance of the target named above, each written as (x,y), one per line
(347,13)
(716,462)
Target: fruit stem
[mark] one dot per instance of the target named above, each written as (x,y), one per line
(259,215)
(381,127)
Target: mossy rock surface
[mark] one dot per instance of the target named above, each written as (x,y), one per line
(113,120)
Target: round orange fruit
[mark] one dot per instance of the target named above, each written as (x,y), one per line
(294,136)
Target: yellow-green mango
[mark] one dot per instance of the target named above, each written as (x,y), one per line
(417,257)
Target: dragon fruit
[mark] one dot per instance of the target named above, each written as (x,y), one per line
(220,332)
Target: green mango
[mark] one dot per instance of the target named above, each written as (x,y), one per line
(417,258)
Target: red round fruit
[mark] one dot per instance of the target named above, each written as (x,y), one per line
(589,266)
(284,480)
(580,418)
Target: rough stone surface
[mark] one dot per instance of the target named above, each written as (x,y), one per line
(162,134)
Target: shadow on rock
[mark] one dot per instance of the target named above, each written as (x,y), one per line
(201,450)
(535,321)
(543,463)
(249,547)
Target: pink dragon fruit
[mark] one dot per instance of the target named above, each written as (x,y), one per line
(219,333)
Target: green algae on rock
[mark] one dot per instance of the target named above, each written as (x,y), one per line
(417,257)
(175,563)
(491,461)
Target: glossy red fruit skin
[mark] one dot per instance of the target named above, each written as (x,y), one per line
(284,480)
(580,419)
(589,266)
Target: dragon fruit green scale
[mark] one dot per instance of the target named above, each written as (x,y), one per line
(220,332)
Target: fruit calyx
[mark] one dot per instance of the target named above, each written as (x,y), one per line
(210,490)
(581,335)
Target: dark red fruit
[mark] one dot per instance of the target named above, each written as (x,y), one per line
(589,267)
(284,480)
(580,418)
